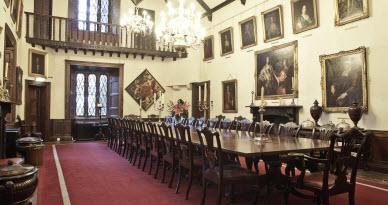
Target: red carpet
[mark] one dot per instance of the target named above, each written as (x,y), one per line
(96,175)
(49,192)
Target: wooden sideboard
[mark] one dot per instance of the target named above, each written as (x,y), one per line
(379,151)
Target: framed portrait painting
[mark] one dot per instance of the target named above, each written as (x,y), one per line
(143,89)
(248,32)
(348,11)
(304,15)
(226,37)
(277,71)
(38,63)
(208,48)
(344,80)
(229,96)
(273,24)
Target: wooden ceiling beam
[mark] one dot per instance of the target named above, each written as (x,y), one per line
(207,9)
(220,6)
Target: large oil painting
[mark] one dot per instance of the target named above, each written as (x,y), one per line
(248,32)
(277,71)
(348,11)
(208,48)
(226,37)
(229,96)
(143,89)
(344,80)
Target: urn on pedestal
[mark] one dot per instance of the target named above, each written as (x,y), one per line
(316,112)
(355,113)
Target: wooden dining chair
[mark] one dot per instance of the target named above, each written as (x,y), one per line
(289,129)
(216,171)
(188,159)
(246,125)
(225,124)
(213,123)
(169,159)
(156,149)
(340,169)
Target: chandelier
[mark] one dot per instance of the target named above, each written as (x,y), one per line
(180,27)
(139,23)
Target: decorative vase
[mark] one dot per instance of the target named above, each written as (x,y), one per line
(355,113)
(316,112)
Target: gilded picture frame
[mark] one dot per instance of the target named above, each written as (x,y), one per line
(344,80)
(307,21)
(276,70)
(229,96)
(273,27)
(248,29)
(37,63)
(208,48)
(227,41)
(345,14)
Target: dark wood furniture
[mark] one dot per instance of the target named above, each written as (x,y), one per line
(17,183)
(64,34)
(215,169)
(277,114)
(5,107)
(12,134)
(339,173)
(87,129)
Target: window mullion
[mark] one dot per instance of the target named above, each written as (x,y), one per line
(86,107)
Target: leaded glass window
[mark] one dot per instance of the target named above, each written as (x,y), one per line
(103,94)
(80,91)
(93,11)
(91,88)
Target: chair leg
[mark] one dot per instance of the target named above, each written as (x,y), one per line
(325,199)
(136,155)
(157,168)
(351,197)
(147,154)
(164,171)
(172,175)
(204,184)
(220,192)
(131,151)
(190,183)
(151,159)
(179,179)
(140,157)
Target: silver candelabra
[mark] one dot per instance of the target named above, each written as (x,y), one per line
(159,106)
(203,106)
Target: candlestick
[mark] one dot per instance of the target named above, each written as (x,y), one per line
(262,95)
(6,70)
(199,95)
(205,93)
(252,98)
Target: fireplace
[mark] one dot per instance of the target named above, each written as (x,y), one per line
(277,114)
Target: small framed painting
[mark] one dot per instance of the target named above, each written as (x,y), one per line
(350,11)
(226,37)
(304,15)
(208,48)
(248,32)
(19,85)
(273,24)
(229,96)
(38,63)
(344,80)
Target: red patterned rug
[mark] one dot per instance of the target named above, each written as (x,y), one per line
(96,175)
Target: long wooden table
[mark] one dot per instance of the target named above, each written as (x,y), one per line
(244,144)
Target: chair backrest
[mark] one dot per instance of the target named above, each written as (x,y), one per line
(323,132)
(346,160)
(246,125)
(213,123)
(288,129)
(168,138)
(234,125)
(169,119)
(265,125)
(211,150)
(225,124)
(184,143)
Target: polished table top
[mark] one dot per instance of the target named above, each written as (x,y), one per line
(245,143)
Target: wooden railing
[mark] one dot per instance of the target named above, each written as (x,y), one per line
(71,34)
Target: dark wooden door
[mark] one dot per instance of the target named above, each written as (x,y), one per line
(196,112)
(42,22)
(37,107)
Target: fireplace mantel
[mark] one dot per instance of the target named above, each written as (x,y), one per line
(277,114)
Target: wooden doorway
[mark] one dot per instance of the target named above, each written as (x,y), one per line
(37,107)
(195,87)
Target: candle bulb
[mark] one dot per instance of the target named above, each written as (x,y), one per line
(162,94)
(292,83)
(140,104)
